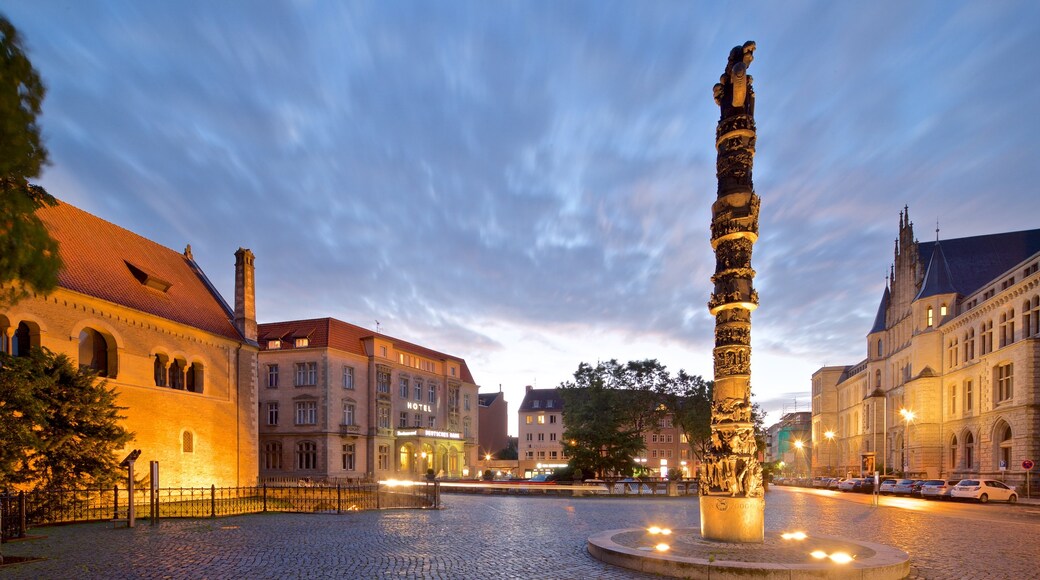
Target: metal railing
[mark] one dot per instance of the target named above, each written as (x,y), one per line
(21,510)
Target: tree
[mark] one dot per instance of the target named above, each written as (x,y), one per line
(690,401)
(61,423)
(605,410)
(29,259)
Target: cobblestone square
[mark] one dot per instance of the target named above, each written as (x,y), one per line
(479,536)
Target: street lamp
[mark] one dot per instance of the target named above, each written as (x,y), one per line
(908,416)
(800,446)
(829,436)
(879,394)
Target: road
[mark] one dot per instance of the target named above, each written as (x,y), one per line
(478,536)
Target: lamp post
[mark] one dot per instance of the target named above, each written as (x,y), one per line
(879,394)
(829,436)
(908,416)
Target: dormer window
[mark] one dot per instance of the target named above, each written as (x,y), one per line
(274,344)
(942,310)
(536,404)
(301,342)
(147,278)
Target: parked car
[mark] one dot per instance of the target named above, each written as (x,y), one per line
(896,486)
(854,484)
(939,490)
(984,490)
(915,489)
(835,482)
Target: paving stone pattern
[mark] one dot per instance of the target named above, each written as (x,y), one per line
(491,537)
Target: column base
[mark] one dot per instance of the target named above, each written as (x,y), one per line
(733,519)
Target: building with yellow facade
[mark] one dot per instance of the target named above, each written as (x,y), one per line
(950,386)
(147,319)
(340,402)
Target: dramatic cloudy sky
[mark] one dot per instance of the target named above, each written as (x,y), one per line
(528,185)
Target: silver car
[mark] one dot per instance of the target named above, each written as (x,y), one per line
(939,490)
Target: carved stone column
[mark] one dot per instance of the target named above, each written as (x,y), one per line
(732,505)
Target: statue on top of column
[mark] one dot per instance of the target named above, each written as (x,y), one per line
(733,93)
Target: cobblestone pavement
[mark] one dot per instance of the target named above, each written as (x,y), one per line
(479,536)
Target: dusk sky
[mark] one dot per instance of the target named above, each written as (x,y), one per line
(528,185)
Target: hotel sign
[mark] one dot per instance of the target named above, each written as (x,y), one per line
(429,433)
(419,407)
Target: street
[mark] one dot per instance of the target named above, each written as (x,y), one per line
(516,537)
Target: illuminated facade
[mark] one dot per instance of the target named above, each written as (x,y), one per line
(493,430)
(790,441)
(949,387)
(146,318)
(338,401)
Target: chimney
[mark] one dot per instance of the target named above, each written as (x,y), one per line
(245,294)
(529,387)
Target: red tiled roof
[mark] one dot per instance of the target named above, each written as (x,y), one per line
(332,333)
(97,256)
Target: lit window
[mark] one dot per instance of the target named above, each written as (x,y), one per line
(541,419)
(274,344)
(302,342)
(928,316)
(942,310)
(528,419)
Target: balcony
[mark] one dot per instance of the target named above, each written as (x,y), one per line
(350,429)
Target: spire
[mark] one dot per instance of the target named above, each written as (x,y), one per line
(937,278)
(880,319)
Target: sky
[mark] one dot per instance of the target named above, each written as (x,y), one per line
(528,185)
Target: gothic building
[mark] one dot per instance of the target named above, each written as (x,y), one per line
(950,386)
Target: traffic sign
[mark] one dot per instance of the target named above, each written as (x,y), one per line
(1028,464)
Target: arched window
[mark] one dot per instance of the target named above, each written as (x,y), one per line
(879,348)
(159,370)
(187,442)
(194,378)
(1031,316)
(21,341)
(929,317)
(306,455)
(953,452)
(877,378)
(93,351)
(969,451)
(176,380)
(273,455)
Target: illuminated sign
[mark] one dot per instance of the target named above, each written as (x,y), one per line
(419,407)
(429,433)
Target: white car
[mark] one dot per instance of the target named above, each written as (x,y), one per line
(984,490)
(897,486)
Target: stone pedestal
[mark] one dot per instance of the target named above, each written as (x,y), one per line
(733,519)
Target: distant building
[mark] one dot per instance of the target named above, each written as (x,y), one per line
(790,441)
(338,401)
(949,387)
(147,319)
(493,413)
(540,448)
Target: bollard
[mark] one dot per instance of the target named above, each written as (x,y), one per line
(265,497)
(213,501)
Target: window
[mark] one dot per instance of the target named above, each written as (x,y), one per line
(877,378)
(402,419)
(272,455)
(969,450)
(348,377)
(1007,327)
(653,438)
(306,412)
(382,351)
(528,419)
(274,344)
(986,334)
(968,396)
(1031,316)
(552,436)
(403,387)
(536,404)
(302,342)
(195,378)
(541,436)
(177,375)
(530,454)
(530,436)
(383,417)
(466,427)
(552,419)
(93,351)
(306,374)
(431,421)
(348,456)
(1005,383)
(417,422)
(272,413)
(306,455)
(541,419)
(969,345)
(382,380)
(349,410)
(929,317)
(187,442)
(942,311)
(1004,439)
(953,451)
(541,455)
(549,404)
(433,394)
(452,371)
(272,376)
(158,370)
(465,403)
(952,348)
(418,390)
(879,348)
(552,455)
(384,456)
(953,401)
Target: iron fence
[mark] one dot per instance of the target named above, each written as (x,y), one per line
(21,510)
